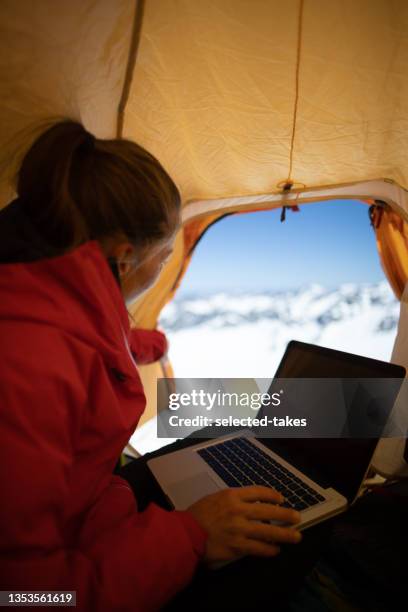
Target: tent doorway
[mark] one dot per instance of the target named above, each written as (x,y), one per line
(254,284)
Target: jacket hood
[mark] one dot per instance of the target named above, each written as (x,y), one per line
(75,292)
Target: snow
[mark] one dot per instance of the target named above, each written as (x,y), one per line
(246,335)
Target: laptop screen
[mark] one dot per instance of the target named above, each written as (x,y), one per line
(342,462)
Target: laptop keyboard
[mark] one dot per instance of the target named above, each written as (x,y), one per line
(238,463)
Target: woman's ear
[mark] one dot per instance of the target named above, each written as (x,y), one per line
(123,268)
(124,253)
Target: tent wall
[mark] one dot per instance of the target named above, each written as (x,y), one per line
(59,59)
(389,457)
(392,242)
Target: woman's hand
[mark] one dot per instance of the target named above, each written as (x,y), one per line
(235,522)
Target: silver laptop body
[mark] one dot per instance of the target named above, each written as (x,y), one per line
(201,469)
(185,477)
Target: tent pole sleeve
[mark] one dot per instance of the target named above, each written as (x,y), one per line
(134,46)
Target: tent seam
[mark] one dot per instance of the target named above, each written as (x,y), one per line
(133,50)
(296,103)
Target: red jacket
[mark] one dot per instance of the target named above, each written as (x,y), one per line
(67,523)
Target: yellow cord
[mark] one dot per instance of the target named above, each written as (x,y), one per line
(295,110)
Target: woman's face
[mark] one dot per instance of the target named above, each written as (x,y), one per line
(139,270)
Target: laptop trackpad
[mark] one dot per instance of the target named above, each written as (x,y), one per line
(189,490)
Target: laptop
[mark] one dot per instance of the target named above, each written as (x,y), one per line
(319,477)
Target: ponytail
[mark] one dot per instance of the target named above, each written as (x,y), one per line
(75,187)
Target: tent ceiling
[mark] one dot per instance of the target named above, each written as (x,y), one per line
(214,87)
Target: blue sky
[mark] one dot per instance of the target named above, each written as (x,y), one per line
(326,242)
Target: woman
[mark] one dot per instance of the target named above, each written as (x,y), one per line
(92,226)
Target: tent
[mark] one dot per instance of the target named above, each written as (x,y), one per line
(249,105)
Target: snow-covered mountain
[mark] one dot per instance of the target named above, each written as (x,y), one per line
(245,334)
